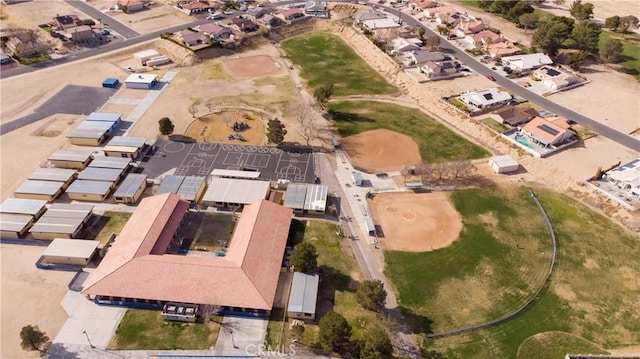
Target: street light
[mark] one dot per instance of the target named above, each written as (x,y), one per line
(89,340)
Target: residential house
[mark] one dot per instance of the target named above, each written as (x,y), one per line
(387,34)
(290,15)
(419,58)
(486,98)
(449,19)
(359,17)
(555,79)
(483,38)
(501,49)
(81,34)
(423,4)
(316,8)
(193,38)
(468,27)
(256,13)
(384,23)
(271,21)
(432,12)
(514,116)
(244,25)
(626,176)
(194,7)
(215,31)
(129,6)
(549,131)
(65,22)
(401,45)
(439,68)
(527,62)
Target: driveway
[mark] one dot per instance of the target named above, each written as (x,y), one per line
(240,336)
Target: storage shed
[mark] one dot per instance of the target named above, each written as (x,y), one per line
(145,55)
(303,296)
(170,184)
(86,190)
(70,159)
(70,251)
(31,207)
(110,82)
(110,175)
(141,81)
(90,133)
(503,164)
(35,189)
(131,188)
(124,146)
(14,225)
(118,163)
(192,188)
(62,220)
(63,175)
(230,192)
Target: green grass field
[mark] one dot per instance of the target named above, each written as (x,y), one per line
(146,330)
(593,293)
(630,53)
(556,345)
(325,59)
(110,222)
(435,142)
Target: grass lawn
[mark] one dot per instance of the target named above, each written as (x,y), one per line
(110,222)
(325,59)
(556,345)
(146,330)
(631,50)
(494,125)
(435,142)
(207,231)
(593,294)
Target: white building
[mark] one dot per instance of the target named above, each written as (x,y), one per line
(486,98)
(141,81)
(626,177)
(527,62)
(503,164)
(375,24)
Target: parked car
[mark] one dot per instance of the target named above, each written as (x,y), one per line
(491,78)
(215,16)
(105,32)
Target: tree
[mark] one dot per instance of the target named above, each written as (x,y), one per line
(275,131)
(165,126)
(432,354)
(304,114)
(421,32)
(209,105)
(575,60)
(193,110)
(433,42)
(304,258)
(334,331)
(528,21)
(520,8)
(559,3)
(32,338)
(376,344)
(550,36)
(611,50)
(208,310)
(581,11)
(462,167)
(322,95)
(371,295)
(297,331)
(628,22)
(586,35)
(612,22)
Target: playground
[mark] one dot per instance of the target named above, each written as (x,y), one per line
(238,127)
(416,222)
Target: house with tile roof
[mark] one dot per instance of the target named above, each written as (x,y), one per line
(548,131)
(514,116)
(141,267)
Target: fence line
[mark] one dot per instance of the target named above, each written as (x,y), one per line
(528,302)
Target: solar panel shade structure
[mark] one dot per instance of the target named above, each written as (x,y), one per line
(548,129)
(316,198)
(295,196)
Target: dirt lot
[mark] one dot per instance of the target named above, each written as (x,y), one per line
(381,150)
(23,288)
(157,16)
(212,128)
(252,66)
(416,222)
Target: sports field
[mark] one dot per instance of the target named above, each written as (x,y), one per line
(498,262)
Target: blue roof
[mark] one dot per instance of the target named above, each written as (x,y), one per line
(110,81)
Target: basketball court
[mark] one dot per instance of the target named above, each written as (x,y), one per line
(200,158)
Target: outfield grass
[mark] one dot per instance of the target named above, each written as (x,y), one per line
(146,330)
(556,345)
(631,50)
(593,293)
(325,59)
(110,222)
(435,142)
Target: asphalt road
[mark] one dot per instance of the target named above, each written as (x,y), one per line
(105,19)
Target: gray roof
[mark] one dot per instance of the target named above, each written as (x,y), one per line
(69,210)
(295,195)
(242,191)
(424,56)
(48,224)
(316,199)
(104,117)
(170,184)
(14,222)
(304,293)
(53,174)
(22,206)
(127,141)
(90,129)
(74,156)
(110,162)
(218,172)
(130,185)
(39,187)
(100,174)
(190,187)
(74,248)
(368,15)
(89,187)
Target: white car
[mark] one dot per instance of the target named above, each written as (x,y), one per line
(216,16)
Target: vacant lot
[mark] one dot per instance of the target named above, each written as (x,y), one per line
(499,260)
(325,59)
(631,50)
(435,142)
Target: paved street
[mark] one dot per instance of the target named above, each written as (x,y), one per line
(114,24)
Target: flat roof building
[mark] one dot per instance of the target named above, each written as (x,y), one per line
(36,189)
(503,164)
(14,225)
(70,251)
(110,162)
(90,133)
(131,188)
(70,159)
(303,296)
(235,174)
(63,175)
(230,192)
(123,146)
(111,117)
(62,220)
(31,207)
(110,175)
(86,190)
(192,188)
(141,81)
(306,198)
(170,184)
(294,196)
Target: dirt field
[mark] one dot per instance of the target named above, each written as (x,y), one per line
(381,150)
(252,66)
(211,128)
(158,15)
(23,289)
(416,222)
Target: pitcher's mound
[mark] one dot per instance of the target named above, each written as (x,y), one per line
(382,150)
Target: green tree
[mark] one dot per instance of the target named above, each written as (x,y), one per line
(165,126)
(275,131)
(550,36)
(575,60)
(322,95)
(432,354)
(32,338)
(528,21)
(520,8)
(304,258)
(334,331)
(297,331)
(371,295)
(612,22)
(627,23)
(559,3)
(421,32)
(581,11)
(433,42)
(586,35)
(376,344)
(611,50)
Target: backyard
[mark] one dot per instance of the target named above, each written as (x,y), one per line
(325,60)
(436,142)
(108,223)
(500,260)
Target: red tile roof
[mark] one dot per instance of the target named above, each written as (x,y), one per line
(247,277)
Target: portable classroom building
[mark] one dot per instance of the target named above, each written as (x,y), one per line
(14,225)
(43,190)
(131,188)
(170,184)
(85,190)
(503,164)
(70,251)
(109,175)
(141,81)
(90,133)
(30,207)
(303,296)
(62,220)
(316,199)
(230,192)
(70,159)
(62,175)
(124,146)
(192,188)
(118,163)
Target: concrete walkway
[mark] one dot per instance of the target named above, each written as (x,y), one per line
(241,336)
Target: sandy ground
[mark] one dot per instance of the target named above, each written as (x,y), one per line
(23,289)
(381,150)
(416,222)
(251,66)
(211,128)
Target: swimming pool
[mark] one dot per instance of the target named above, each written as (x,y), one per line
(524,141)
